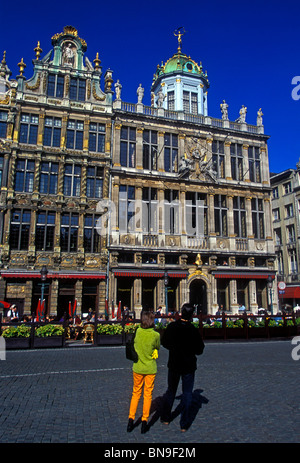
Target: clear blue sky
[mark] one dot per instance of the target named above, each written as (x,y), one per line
(250,50)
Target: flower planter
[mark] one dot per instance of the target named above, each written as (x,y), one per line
(257,332)
(48,341)
(109,339)
(17,343)
(213,333)
(235,333)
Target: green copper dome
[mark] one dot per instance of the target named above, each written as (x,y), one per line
(179,63)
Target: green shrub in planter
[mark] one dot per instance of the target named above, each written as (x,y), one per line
(49,330)
(130,328)
(21,331)
(109,329)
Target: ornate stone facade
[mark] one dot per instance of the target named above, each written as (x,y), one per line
(140,204)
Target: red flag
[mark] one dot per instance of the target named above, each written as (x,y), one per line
(112,309)
(38,311)
(74,308)
(119,314)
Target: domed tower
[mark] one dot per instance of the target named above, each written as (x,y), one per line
(180,84)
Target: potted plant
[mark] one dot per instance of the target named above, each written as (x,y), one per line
(109,333)
(235,329)
(49,336)
(129,330)
(16,337)
(213,330)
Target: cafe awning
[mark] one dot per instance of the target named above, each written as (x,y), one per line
(246,275)
(52,275)
(290,292)
(148,273)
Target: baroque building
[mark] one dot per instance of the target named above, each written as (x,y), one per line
(148,205)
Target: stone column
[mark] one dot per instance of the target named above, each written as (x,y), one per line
(139,148)
(160,152)
(116,145)
(246,172)
(228,173)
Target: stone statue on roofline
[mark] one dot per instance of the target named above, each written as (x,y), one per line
(224,110)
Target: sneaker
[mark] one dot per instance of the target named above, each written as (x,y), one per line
(130,425)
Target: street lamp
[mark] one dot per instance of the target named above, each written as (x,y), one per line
(44,273)
(270,286)
(166,290)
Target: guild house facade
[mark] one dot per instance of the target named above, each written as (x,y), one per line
(147,205)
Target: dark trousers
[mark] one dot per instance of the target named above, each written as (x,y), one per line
(186,401)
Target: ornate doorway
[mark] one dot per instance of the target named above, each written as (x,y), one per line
(198,295)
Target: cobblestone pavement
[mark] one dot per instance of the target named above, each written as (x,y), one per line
(244,392)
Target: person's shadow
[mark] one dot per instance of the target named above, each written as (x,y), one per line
(156,407)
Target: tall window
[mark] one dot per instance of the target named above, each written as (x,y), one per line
(293,264)
(239,217)
(55,85)
(220,215)
(52,131)
(150,150)
(289,211)
(72,179)
(97,137)
(3,124)
(254,164)
(74,135)
(29,128)
(92,239)
(190,102)
(196,214)
(77,89)
(48,178)
(218,158)
(126,208)
(149,210)
(94,182)
(290,234)
(24,175)
(258,218)
(69,232)
(171,101)
(171,152)
(19,229)
(236,155)
(277,235)
(45,227)
(172,211)
(127,148)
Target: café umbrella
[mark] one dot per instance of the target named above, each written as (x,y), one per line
(4,305)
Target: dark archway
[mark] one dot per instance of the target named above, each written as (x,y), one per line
(198,295)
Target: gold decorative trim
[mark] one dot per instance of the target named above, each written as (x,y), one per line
(97,97)
(35,86)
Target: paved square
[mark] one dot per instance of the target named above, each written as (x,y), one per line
(244,392)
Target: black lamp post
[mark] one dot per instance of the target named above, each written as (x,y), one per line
(44,273)
(270,286)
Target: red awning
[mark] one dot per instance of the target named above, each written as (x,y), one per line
(7,274)
(246,275)
(137,273)
(291,292)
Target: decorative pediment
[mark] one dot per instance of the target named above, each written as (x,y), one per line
(196,164)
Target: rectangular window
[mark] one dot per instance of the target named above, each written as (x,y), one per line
(72,177)
(150,150)
(29,128)
(149,210)
(289,211)
(171,152)
(94,182)
(290,234)
(293,264)
(48,178)
(74,135)
(218,158)
(52,131)
(97,137)
(236,156)
(190,102)
(287,188)
(254,164)
(126,208)
(24,175)
(220,215)
(69,232)
(92,239)
(196,214)
(239,217)
(172,211)
(55,87)
(77,89)
(20,229)
(3,124)
(128,147)
(171,101)
(258,218)
(278,239)
(45,227)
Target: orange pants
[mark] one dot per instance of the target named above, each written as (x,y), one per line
(138,382)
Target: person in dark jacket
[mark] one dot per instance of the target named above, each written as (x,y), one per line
(184,342)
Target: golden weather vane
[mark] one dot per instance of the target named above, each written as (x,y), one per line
(179,33)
